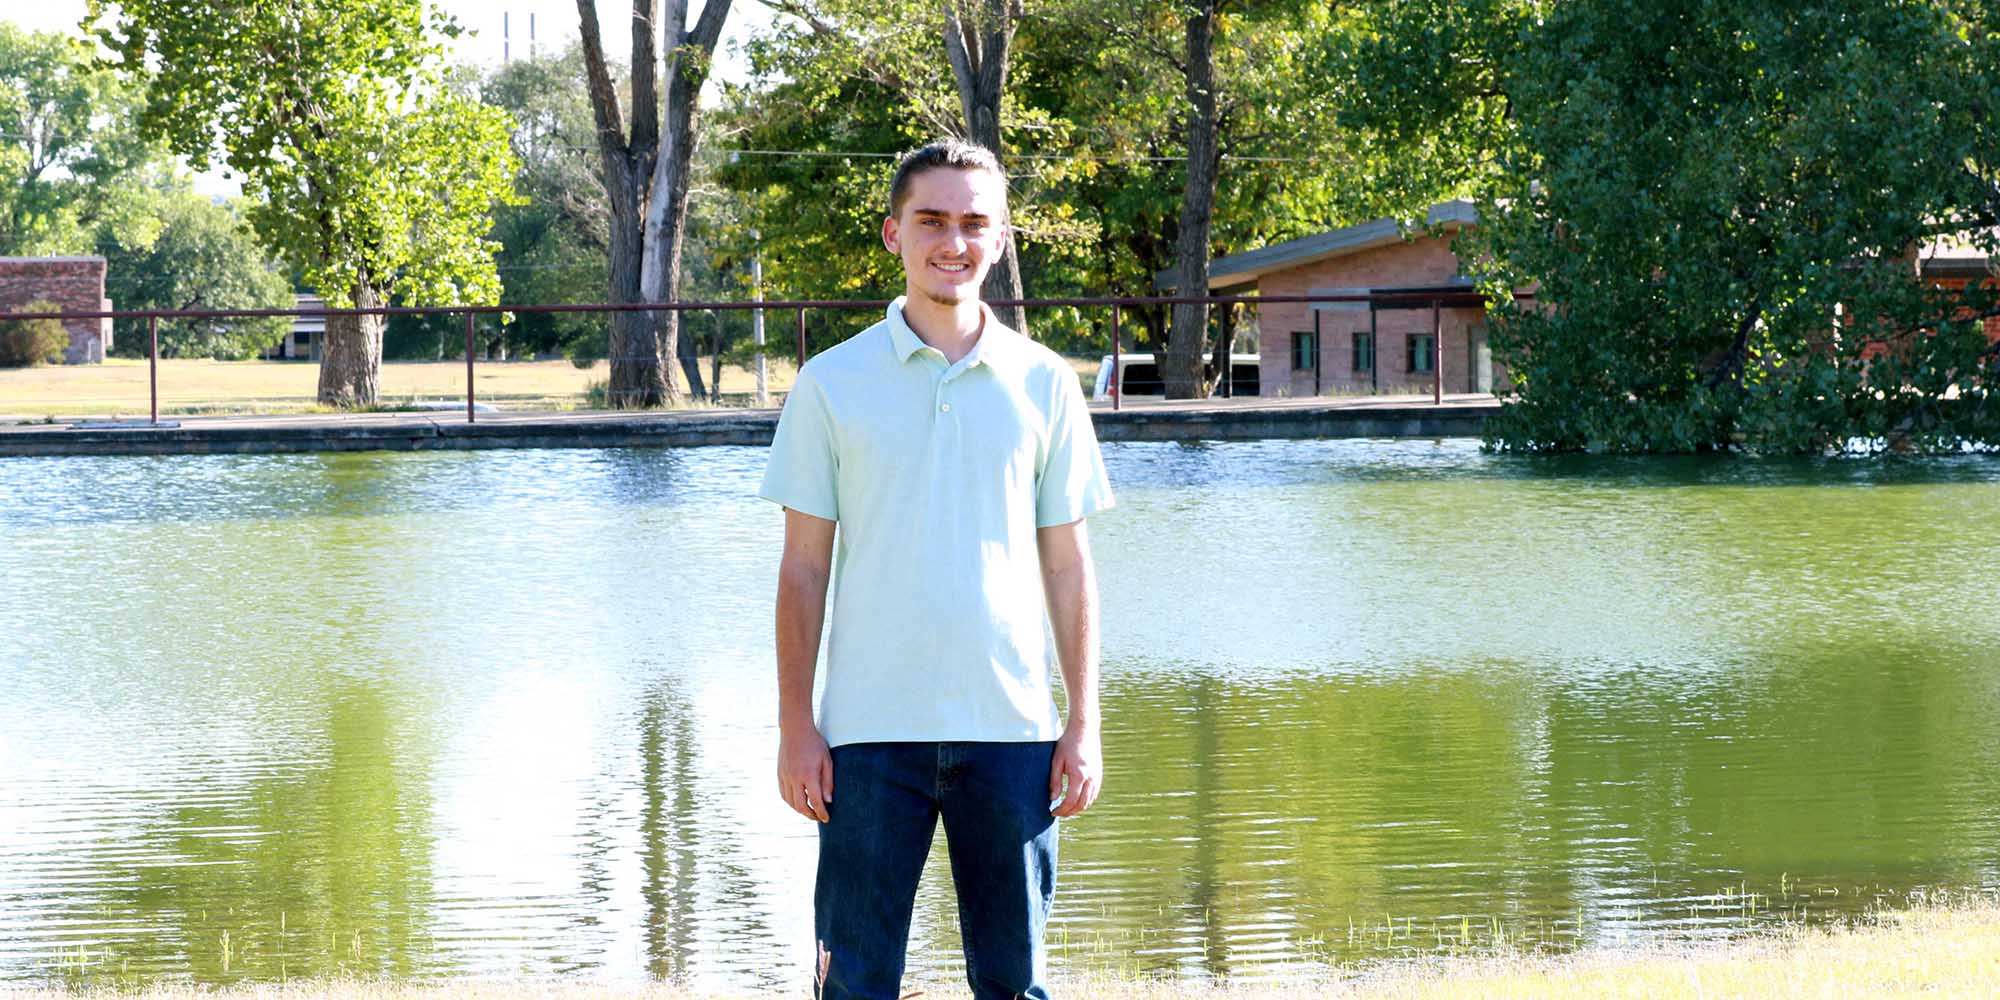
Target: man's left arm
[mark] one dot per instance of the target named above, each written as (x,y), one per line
(1069,581)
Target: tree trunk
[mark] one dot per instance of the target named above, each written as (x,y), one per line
(687,56)
(666,226)
(1181,370)
(1218,367)
(638,372)
(715,361)
(1004,282)
(976,46)
(666,217)
(690,357)
(350,365)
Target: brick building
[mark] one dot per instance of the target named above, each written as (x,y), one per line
(1394,343)
(1954,266)
(307,337)
(74,284)
(1423,311)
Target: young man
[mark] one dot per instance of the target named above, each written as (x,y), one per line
(957,460)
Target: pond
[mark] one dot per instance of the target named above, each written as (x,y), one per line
(266,717)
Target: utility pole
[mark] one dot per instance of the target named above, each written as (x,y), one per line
(757,315)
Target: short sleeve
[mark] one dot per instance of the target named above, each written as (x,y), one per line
(1072,482)
(804,469)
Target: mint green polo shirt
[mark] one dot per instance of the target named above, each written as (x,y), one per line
(937,475)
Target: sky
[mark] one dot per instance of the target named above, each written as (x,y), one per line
(555,23)
(492,27)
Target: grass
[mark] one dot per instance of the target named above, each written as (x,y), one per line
(119,387)
(1942,950)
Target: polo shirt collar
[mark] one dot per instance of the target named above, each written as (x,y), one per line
(991,347)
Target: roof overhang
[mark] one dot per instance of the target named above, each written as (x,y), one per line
(1960,267)
(1247,267)
(1458,293)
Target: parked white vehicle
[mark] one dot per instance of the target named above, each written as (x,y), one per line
(1140,376)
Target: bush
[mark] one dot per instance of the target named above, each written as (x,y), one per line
(25,343)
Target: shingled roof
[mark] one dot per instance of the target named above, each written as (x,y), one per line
(1244,268)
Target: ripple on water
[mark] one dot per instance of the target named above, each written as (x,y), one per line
(272,716)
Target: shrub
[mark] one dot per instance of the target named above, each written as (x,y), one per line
(25,343)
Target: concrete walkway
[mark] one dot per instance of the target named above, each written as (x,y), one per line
(1245,418)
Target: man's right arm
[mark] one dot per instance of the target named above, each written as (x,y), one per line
(805,768)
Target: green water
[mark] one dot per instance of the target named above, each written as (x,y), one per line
(511,712)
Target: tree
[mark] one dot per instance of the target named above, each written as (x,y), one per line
(366,175)
(1724,204)
(1113,77)
(957,89)
(1421,98)
(977,34)
(31,343)
(202,258)
(1238,93)
(819,216)
(70,158)
(1180,366)
(1091,108)
(553,242)
(80,178)
(647,185)
(1245,89)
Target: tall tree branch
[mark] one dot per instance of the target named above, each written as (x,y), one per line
(646,83)
(708,28)
(603,96)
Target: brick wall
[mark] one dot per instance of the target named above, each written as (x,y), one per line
(1958,284)
(1425,261)
(73,284)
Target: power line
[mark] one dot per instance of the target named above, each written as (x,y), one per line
(835,154)
(1088,157)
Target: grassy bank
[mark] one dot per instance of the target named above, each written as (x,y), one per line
(119,386)
(1948,951)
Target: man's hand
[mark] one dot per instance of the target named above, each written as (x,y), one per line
(805,771)
(1079,761)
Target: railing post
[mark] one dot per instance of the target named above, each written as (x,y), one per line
(1228,333)
(1437,355)
(757,318)
(1319,349)
(469,418)
(1374,350)
(802,340)
(1117,361)
(153,365)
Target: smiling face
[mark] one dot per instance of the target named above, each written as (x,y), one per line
(952,225)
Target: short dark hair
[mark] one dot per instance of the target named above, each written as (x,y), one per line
(953,154)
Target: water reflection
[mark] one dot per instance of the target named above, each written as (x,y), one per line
(280,716)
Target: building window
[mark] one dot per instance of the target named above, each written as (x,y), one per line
(1364,352)
(302,338)
(1305,352)
(1423,351)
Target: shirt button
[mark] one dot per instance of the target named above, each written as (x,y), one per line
(944,407)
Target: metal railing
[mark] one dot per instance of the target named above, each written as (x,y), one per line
(1374,300)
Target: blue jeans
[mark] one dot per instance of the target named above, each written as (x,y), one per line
(887,799)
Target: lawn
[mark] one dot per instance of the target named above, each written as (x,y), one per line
(119,386)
